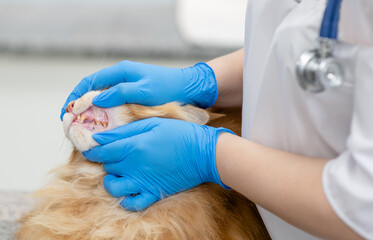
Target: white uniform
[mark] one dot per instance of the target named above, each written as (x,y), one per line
(336,124)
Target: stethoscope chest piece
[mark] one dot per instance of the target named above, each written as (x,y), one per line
(306,72)
(318,71)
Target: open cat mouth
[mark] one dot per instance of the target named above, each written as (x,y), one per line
(83,119)
(95,119)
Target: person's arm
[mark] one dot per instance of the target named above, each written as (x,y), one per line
(288,185)
(228,71)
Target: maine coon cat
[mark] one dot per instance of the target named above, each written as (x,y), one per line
(75,205)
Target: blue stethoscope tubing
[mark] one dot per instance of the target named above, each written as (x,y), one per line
(329,25)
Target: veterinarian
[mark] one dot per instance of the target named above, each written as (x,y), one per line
(306,155)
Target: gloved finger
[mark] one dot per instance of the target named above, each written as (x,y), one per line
(115,168)
(110,153)
(122,93)
(126,131)
(126,165)
(119,186)
(78,91)
(139,202)
(104,78)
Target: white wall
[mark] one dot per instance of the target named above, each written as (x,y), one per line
(32,91)
(218,23)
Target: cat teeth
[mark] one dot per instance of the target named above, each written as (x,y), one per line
(82,118)
(101,123)
(104,124)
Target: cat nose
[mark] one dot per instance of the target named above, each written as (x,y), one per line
(70,107)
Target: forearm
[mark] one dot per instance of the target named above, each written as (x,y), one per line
(286,184)
(228,71)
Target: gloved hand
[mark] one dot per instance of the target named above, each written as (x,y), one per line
(149,85)
(154,158)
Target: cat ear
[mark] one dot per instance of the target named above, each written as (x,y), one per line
(195,115)
(213,116)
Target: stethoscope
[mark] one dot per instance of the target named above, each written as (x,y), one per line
(317,69)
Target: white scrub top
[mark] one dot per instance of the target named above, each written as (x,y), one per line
(336,124)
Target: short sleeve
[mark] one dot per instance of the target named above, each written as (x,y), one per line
(348,179)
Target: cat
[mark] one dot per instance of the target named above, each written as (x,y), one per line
(75,205)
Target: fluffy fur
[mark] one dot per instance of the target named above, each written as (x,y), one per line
(75,205)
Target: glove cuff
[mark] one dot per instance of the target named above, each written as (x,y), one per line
(201,89)
(210,170)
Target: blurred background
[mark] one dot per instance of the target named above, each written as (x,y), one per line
(48,46)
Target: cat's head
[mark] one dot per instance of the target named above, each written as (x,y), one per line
(83,119)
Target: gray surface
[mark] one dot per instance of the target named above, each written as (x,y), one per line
(120,28)
(7,230)
(12,206)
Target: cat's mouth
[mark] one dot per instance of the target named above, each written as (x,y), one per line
(83,119)
(94,118)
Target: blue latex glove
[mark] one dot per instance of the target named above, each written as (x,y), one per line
(154,158)
(149,85)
